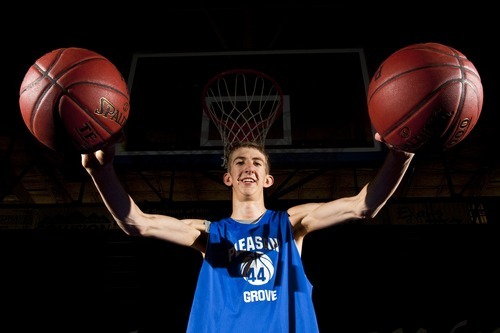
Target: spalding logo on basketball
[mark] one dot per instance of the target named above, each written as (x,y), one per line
(76,94)
(425,94)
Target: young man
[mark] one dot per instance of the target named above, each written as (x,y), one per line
(252,278)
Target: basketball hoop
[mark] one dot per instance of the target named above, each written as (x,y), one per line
(243,104)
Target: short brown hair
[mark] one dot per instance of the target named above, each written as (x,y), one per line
(246,144)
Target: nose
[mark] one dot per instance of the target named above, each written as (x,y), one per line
(249,168)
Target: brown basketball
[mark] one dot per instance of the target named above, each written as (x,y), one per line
(426,94)
(76,94)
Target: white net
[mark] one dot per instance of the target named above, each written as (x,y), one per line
(242,104)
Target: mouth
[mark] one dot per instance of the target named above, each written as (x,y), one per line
(247,180)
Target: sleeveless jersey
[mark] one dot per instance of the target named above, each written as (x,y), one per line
(252,280)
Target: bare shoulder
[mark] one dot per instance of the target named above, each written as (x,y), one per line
(297,213)
(198,224)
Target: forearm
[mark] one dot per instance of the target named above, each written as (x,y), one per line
(387,180)
(117,200)
(366,204)
(133,221)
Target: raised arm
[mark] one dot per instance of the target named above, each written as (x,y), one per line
(366,204)
(129,217)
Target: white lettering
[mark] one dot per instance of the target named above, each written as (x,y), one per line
(250,244)
(260,296)
(241,245)
(258,243)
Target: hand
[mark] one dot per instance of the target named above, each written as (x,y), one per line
(99,159)
(379,138)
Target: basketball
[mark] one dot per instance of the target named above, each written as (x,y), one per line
(74,94)
(425,95)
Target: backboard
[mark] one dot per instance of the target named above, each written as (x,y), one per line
(324,118)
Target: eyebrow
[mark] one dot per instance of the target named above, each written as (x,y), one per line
(244,158)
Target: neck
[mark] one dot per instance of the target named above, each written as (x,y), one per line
(248,211)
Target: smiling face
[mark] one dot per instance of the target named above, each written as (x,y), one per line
(248,170)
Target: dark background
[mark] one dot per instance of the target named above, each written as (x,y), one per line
(366,279)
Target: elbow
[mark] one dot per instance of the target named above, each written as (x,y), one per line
(369,214)
(371,203)
(366,214)
(371,211)
(131,228)
(132,232)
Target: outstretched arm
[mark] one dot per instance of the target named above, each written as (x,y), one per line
(366,204)
(129,217)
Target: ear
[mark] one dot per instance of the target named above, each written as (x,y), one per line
(227,179)
(269,181)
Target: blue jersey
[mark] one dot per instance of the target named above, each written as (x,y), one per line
(252,280)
